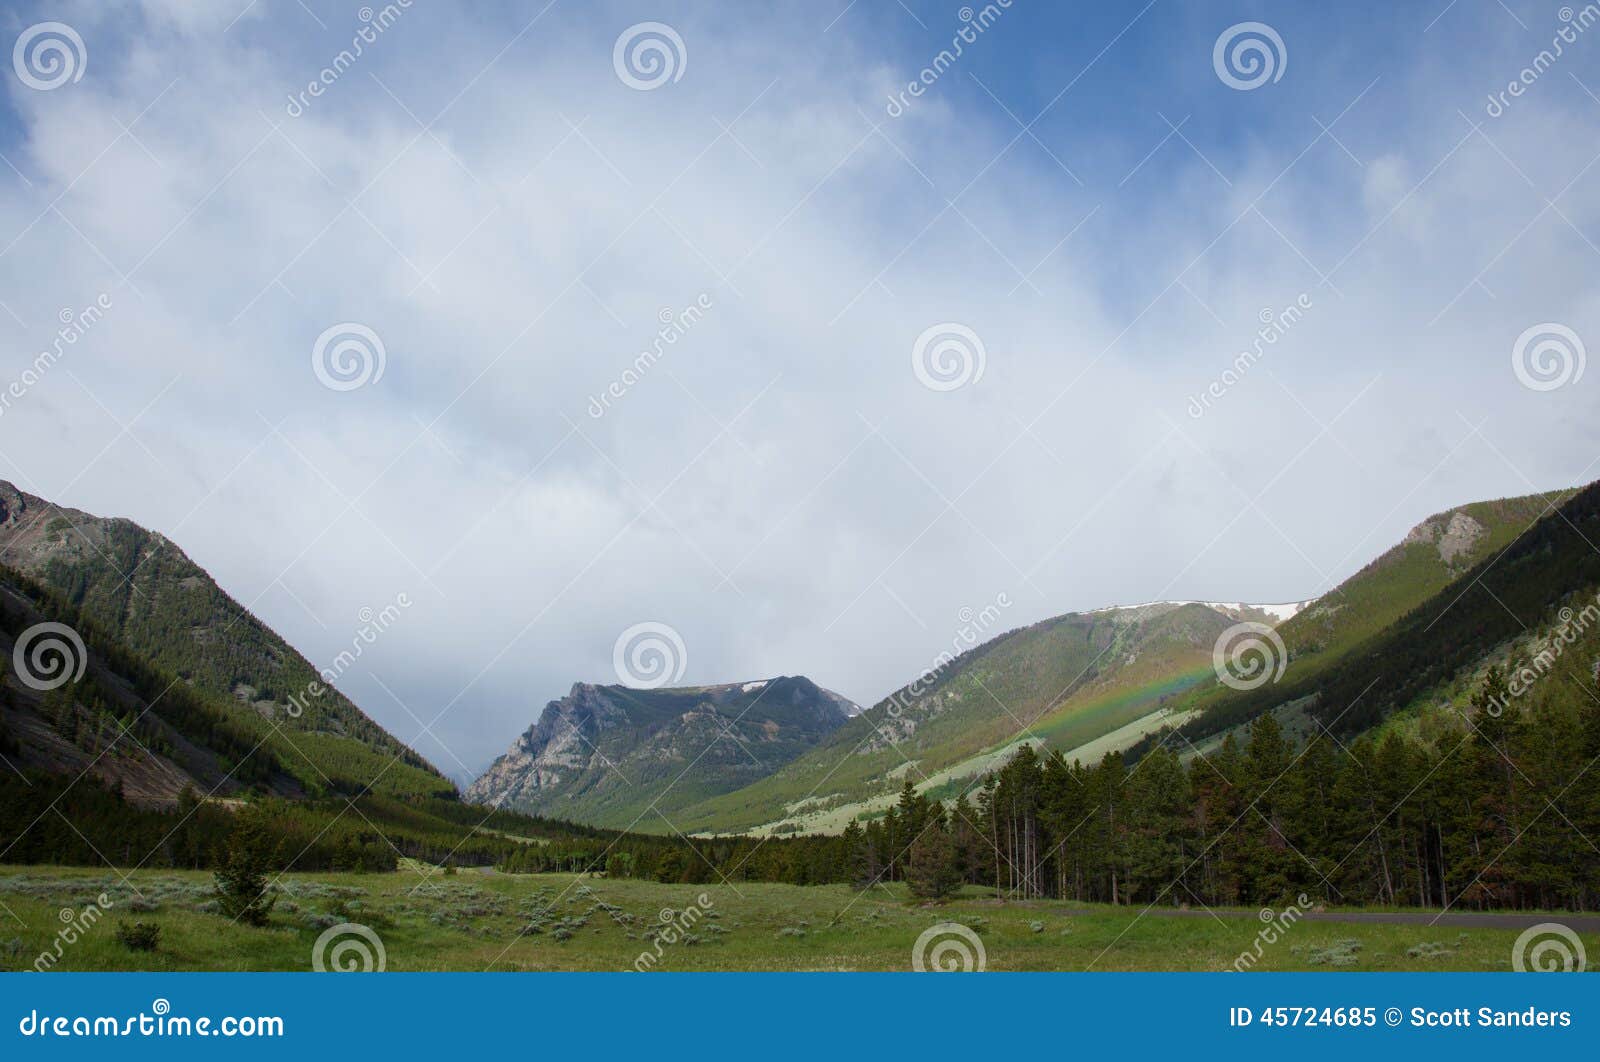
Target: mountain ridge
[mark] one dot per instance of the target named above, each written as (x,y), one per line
(1147,667)
(781,754)
(1507,584)
(143,591)
(614,753)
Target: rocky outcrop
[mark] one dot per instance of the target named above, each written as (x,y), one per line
(607,755)
(1454,535)
(560,745)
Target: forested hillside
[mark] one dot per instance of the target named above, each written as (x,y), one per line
(1067,679)
(1483,799)
(140,589)
(164,611)
(1516,588)
(1489,807)
(1112,678)
(616,756)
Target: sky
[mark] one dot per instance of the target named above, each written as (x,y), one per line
(690,322)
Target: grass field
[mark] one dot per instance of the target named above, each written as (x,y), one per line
(474,921)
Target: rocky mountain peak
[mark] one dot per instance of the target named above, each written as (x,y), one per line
(616,749)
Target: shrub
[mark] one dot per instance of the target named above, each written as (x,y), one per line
(139,936)
(242,888)
(1339,953)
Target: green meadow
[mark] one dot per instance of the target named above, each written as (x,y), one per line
(471,921)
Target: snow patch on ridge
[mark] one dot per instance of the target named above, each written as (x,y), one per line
(1278,611)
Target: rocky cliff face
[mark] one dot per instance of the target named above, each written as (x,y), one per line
(614,756)
(141,589)
(1454,536)
(554,749)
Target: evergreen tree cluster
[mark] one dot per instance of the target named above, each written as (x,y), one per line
(1490,807)
(1491,811)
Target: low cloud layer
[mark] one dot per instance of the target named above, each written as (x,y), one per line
(521,229)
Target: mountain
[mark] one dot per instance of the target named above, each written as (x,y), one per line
(147,602)
(207,689)
(1104,681)
(106,757)
(78,703)
(1398,634)
(1063,682)
(629,758)
(1434,554)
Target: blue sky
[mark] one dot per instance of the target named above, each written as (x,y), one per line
(1080,190)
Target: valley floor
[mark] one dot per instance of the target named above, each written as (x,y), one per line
(421,919)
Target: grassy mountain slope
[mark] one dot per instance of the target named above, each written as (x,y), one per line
(127,764)
(114,726)
(621,757)
(141,592)
(1518,579)
(1063,680)
(1087,683)
(139,730)
(1434,554)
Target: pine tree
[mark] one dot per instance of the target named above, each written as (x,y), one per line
(1155,832)
(857,855)
(242,888)
(931,871)
(967,837)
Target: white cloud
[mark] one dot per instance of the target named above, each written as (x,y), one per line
(776,486)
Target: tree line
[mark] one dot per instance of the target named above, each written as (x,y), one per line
(1490,806)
